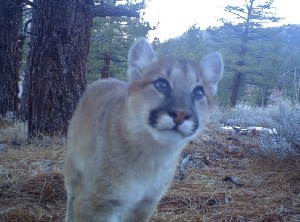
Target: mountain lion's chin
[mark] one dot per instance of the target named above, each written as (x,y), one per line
(170,136)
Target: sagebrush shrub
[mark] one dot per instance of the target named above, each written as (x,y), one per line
(282,116)
(287,123)
(245,116)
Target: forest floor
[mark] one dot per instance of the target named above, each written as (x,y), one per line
(227,179)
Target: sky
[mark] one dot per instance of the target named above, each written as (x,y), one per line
(175,17)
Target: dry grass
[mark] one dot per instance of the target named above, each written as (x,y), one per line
(31,187)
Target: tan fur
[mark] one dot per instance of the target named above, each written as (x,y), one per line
(124,140)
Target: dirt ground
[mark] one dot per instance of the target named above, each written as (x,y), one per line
(226,179)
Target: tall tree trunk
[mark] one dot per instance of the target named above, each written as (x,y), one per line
(23,112)
(105,69)
(235,88)
(236,81)
(56,64)
(10,23)
(242,52)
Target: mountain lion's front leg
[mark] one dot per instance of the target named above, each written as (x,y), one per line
(143,211)
(90,209)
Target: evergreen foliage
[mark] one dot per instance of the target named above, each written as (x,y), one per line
(111,38)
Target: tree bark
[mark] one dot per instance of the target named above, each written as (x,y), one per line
(10,23)
(56,64)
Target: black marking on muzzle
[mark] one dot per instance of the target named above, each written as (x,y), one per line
(153,117)
(196,124)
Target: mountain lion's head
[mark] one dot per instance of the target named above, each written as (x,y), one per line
(172,98)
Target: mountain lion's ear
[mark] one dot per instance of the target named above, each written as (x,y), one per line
(141,55)
(212,68)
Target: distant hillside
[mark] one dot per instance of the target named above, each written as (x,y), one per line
(291,36)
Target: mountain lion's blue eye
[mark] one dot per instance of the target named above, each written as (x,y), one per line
(162,86)
(198,92)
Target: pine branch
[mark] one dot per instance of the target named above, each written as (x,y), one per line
(108,10)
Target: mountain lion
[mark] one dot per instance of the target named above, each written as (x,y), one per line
(125,139)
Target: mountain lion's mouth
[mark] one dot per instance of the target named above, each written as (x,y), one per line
(175,131)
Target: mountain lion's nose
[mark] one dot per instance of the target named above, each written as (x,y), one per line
(179,116)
